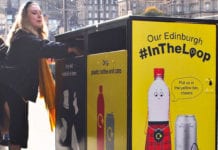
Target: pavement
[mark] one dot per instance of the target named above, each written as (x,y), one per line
(40,135)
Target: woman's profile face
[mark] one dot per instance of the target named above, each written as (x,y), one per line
(34,15)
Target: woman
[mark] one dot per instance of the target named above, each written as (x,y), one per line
(20,80)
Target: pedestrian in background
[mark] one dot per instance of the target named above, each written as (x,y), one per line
(28,44)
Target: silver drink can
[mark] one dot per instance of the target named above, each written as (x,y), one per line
(110,131)
(186,133)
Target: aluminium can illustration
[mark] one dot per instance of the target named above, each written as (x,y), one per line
(110,131)
(186,133)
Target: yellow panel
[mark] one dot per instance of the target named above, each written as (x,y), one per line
(107,119)
(187,52)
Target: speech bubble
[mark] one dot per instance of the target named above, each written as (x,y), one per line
(186,88)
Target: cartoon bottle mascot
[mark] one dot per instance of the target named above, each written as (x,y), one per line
(158,130)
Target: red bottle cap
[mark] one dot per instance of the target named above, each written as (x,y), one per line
(159,72)
(100,88)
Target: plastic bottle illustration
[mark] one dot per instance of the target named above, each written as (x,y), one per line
(100,119)
(158,131)
(186,133)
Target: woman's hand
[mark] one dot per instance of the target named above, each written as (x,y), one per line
(74,50)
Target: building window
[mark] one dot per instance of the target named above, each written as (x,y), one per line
(214,6)
(207,6)
(95,21)
(96,15)
(90,22)
(101,7)
(102,15)
(192,7)
(90,15)
(107,15)
(113,8)
(90,7)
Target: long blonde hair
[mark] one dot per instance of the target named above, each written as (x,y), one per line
(22,22)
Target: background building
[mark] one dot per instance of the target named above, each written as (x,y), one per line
(68,15)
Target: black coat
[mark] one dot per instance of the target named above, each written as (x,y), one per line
(23,62)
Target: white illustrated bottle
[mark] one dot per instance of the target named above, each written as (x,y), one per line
(158,98)
(158,131)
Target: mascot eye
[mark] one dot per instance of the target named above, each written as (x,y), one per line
(161,94)
(155,94)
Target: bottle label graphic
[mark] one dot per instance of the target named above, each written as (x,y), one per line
(110,131)
(158,132)
(100,119)
(186,133)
